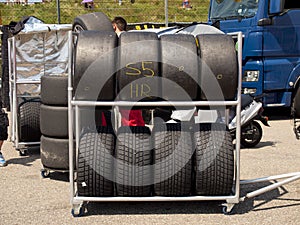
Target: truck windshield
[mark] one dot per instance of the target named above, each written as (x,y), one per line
(231,9)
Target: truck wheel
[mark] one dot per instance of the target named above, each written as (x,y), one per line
(180,65)
(29,120)
(95,66)
(55,153)
(54,90)
(95,163)
(92,21)
(214,164)
(173,152)
(217,59)
(296,104)
(251,135)
(134,158)
(54,121)
(139,66)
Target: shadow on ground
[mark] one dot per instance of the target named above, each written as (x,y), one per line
(191,207)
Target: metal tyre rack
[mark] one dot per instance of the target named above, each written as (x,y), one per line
(14,82)
(78,202)
(29,59)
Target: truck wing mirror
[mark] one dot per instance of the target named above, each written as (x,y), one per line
(264,22)
(276,6)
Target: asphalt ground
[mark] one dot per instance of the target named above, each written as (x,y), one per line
(27,198)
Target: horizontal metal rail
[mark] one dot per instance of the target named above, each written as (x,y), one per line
(158,103)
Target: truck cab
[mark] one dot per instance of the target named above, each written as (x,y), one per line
(271,45)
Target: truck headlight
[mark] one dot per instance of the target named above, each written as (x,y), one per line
(251,75)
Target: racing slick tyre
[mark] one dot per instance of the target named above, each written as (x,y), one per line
(54,121)
(180,65)
(218,63)
(95,163)
(54,90)
(92,21)
(251,134)
(29,120)
(173,153)
(95,66)
(214,160)
(55,153)
(133,155)
(139,66)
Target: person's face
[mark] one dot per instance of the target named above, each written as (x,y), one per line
(114,27)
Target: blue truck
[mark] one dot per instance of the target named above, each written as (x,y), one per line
(271,45)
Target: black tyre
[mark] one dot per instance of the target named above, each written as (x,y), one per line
(296,104)
(139,66)
(92,21)
(95,163)
(180,65)
(95,66)
(173,152)
(55,153)
(29,120)
(251,135)
(54,90)
(134,158)
(54,121)
(219,70)
(214,161)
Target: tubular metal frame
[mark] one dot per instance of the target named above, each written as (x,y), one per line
(231,200)
(13,83)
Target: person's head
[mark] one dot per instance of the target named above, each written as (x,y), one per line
(119,24)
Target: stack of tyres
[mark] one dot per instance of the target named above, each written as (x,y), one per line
(94,80)
(205,161)
(54,123)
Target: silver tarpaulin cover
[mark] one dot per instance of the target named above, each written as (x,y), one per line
(39,53)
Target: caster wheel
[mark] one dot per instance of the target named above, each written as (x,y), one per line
(45,173)
(23,152)
(227,210)
(77,211)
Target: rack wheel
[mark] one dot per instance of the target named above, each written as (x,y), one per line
(77,210)
(45,173)
(22,152)
(227,209)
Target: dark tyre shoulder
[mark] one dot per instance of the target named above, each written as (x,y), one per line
(95,66)
(180,65)
(133,174)
(54,121)
(296,104)
(218,59)
(95,163)
(139,66)
(55,153)
(214,160)
(29,120)
(92,21)
(54,90)
(173,151)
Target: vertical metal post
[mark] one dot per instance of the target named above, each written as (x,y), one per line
(166,14)
(58,11)
(238,114)
(70,118)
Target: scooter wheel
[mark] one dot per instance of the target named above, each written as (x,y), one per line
(251,135)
